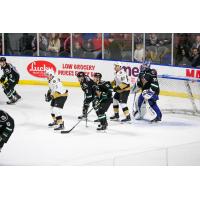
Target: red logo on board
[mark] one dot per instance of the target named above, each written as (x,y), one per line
(37,68)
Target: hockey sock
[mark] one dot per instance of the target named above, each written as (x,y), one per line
(126,111)
(59,120)
(102,119)
(54,117)
(116,108)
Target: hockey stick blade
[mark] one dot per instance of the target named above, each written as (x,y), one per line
(68,131)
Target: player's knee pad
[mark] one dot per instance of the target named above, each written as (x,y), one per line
(115,102)
(57,111)
(123,105)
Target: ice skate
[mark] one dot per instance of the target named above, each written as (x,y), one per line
(115,117)
(52,124)
(59,127)
(127,119)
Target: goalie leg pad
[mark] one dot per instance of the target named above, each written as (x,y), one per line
(140,108)
(152,103)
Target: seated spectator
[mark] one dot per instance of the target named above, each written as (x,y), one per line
(195,58)
(7,44)
(54,44)
(183,57)
(97,46)
(114,48)
(77,50)
(89,50)
(65,50)
(139,53)
(43,45)
(156,48)
(182,46)
(25,45)
(197,43)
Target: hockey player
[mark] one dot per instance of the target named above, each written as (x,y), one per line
(121,87)
(9,79)
(7,126)
(87,86)
(58,96)
(103,99)
(148,83)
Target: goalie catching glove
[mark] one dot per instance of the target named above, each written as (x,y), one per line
(148,94)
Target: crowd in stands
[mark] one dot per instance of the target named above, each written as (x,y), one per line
(187,50)
(156,47)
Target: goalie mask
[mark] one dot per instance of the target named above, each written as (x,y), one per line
(145,65)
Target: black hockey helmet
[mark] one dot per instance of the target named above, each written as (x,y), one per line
(2,59)
(98,75)
(80,74)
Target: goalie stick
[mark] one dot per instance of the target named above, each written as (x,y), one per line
(68,131)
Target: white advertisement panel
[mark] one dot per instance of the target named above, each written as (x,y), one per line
(32,68)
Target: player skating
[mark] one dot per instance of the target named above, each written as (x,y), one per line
(9,80)
(121,87)
(103,99)
(87,86)
(58,96)
(146,104)
(7,126)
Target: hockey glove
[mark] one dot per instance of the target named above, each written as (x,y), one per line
(147,94)
(2,79)
(103,96)
(96,102)
(6,85)
(48,96)
(115,89)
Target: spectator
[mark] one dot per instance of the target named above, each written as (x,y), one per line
(89,52)
(183,59)
(182,49)
(197,43)
(77,50)
(97,45)
(54,44)
(195,58)
(43,45)
(114,48)
(139,53)
(156,48)
(7,43)
(65,47)
(25,45)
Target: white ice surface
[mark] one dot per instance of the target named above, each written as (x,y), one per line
(33,143)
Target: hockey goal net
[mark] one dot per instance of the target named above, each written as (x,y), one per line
(179,95)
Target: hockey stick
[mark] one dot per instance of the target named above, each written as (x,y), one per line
(68,131)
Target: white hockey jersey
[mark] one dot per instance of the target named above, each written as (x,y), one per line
(121,80)
(121,77)
(56,87)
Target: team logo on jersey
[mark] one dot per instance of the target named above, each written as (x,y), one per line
(38,67)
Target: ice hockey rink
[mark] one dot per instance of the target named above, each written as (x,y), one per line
(172,142)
